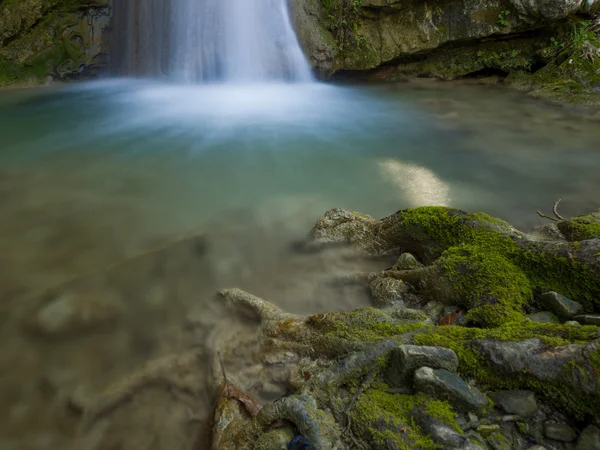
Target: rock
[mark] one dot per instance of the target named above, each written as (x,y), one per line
(473,419)
(560,305)
(588,319)
(441,433)
(388,291)
(445,385)
(572,323)
(537,447)
(408,314)
(498,441)
(477,439)
(559,432)
(486,430)
(589,439)
(521,403)
(434,310)
(544,317)
(405,359)
(74,312)
(406,261)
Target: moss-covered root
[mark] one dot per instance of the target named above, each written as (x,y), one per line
(475,261)
(312,422)
(581,228)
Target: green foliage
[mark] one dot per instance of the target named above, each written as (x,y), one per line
(557,43)
(343,23)
(502,17)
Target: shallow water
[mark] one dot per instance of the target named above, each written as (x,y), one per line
(103,178)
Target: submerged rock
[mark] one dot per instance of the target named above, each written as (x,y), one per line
(521,403)
(560,305)
(445,385)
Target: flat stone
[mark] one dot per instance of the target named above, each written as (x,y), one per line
(589,439)
(486,430)
(588,319)
(521,403)
(406,261)
(544,317)
(444,385)
(573,323)
(560,305)
(405,359)
(559,432)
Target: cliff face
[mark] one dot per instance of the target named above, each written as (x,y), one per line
(43,40)
(358,35)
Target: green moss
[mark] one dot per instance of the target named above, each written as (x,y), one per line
(362,324)
(474,365)
(582,227)
(386,417)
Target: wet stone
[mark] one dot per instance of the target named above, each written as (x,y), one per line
(559,432)
(521,403)
(406,261)
(560,305)
(486,430)
(444,385)
(498,441)
(405,359)
(589,439)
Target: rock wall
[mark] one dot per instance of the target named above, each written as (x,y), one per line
(358,35)
(45,40)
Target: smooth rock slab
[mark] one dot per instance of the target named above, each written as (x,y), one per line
(588,319)
(406,359)
(521,403)
(560,305)
(444,385)
(589,439)
(559,432)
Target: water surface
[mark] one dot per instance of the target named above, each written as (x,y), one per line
(162,194)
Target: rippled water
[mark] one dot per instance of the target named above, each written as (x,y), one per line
(163,194)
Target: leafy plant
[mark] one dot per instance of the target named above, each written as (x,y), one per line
(557,43)
(502,17)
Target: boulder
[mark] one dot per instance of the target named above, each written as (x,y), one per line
(388,291)
(442,434)
(404,360)
(589,439)
(406,261)
(521,403)
(560,305)
(559,432)
(445,385)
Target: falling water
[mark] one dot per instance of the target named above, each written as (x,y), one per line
(208,40)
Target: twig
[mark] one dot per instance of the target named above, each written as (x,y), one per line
(222,366)
(555,211)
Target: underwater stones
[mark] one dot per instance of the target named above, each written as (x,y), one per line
(560,305)
(589,439)
(404,360)
(75,312)
(559,432)
(388,291)
(588,319)
(544,317)
(521,403)
(406,261)
(445,385)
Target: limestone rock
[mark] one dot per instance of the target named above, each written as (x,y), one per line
(447,386)
(544,317)
(589,439)
(559,432)
(521,403)
(560,305)
(406,359)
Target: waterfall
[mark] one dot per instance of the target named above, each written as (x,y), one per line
(203,41)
